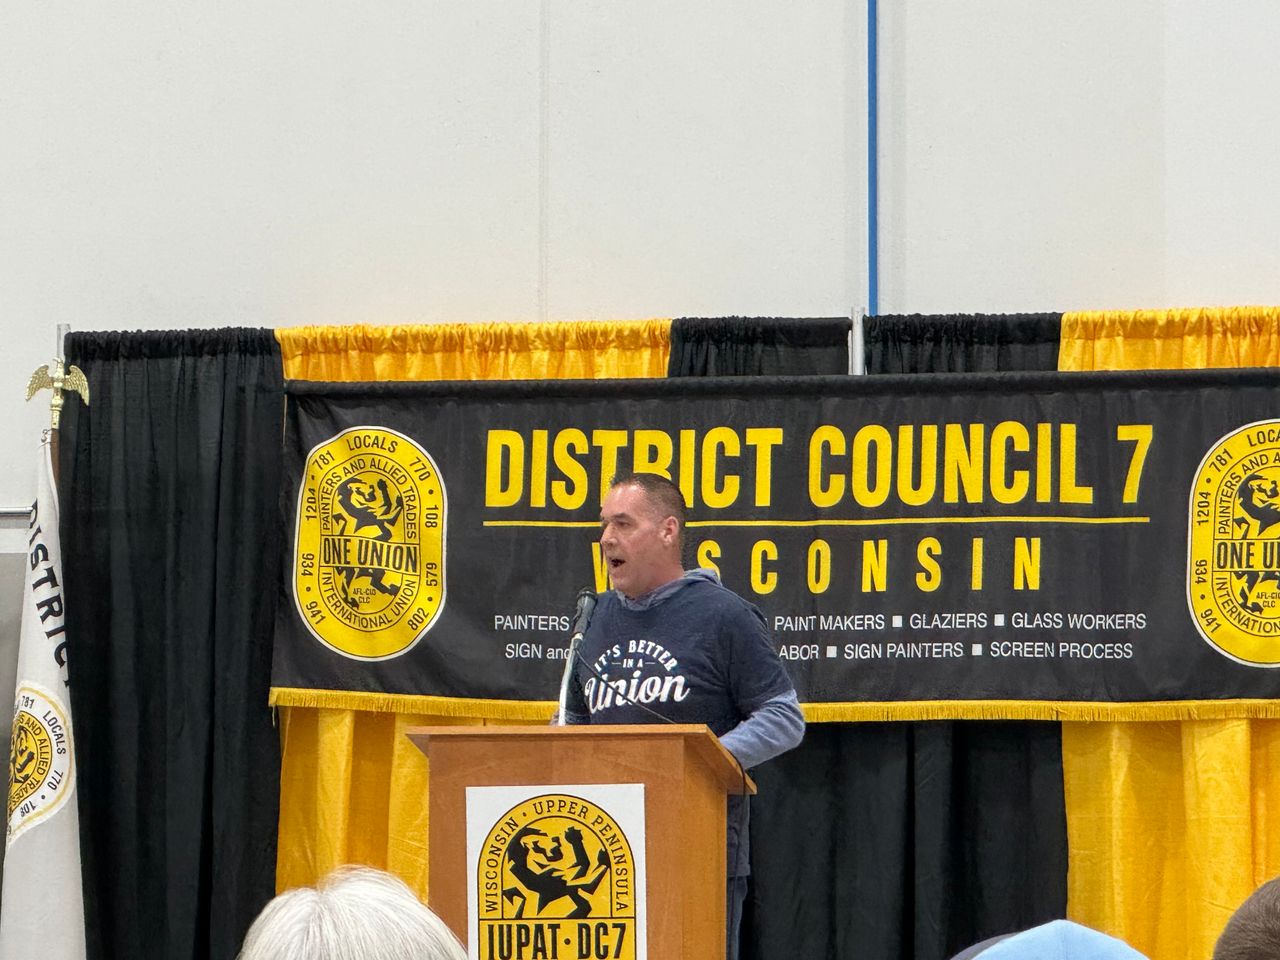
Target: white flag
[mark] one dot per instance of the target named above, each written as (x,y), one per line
(42,906)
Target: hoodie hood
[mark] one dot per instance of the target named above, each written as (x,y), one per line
(655,597)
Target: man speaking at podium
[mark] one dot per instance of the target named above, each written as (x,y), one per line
(686,650)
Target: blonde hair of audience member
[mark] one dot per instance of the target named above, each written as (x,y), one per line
(1253,932)
(355,913)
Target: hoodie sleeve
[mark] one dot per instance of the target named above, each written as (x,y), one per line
(774,728)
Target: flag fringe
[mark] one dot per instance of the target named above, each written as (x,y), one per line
(813,712)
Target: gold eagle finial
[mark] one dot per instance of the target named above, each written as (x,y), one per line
(58,379)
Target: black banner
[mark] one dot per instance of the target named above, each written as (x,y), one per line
(1069,538)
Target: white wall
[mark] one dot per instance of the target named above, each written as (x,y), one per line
(280,163)
(1222,148)
(1086,155)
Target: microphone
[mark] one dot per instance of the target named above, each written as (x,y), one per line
(582,614)
(581,620)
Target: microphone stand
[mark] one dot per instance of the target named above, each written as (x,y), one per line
(573,654)
(581,618)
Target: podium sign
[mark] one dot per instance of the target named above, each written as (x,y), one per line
(580,842)
(556,871)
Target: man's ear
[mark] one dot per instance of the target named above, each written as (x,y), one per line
(670,530)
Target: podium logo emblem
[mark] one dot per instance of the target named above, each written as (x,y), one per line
(1233,563)
(556,879)
(370,544)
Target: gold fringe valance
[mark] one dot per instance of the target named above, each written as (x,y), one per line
(1041,710)
(813,712)
(409,703)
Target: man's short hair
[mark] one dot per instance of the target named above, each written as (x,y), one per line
(355,913)
(1253,932)
(665,494)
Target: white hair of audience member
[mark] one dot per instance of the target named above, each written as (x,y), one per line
(355,913)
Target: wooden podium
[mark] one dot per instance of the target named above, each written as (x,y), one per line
(686,776)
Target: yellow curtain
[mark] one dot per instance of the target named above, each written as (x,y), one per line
(1170,825)
(1188,339)
(352,787)
(478,351)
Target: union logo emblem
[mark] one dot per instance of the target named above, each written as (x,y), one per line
(1233,564)
(41,763)
(556,878)
(369,549)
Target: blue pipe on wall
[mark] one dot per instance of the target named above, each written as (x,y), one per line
(873,227)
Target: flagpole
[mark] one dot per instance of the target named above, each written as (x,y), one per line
(55,431)
(41,891)
(60,379)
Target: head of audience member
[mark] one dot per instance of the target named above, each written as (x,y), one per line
(1056,940)
(641,532)
(355,913)
(1253,932)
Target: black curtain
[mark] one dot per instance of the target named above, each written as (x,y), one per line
(961,343)
(756,346)
(170,527)
(910,840)
(906,840)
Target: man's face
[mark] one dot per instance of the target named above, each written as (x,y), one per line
(640,544)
